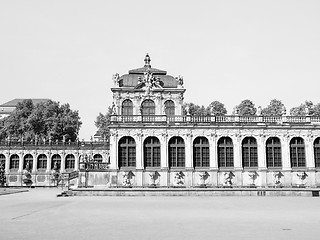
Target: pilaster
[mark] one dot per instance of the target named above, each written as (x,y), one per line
(237,153)
(213,152)
(262,164)
(189,150)
(310,164)
(139,151)
(285,153)
(7,164)
(163,149)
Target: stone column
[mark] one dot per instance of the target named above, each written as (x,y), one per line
(285,153)
(76,163)
(262,164)
(7,164)
(164,153)
(114,151)
(34,167)
(189,151)
(310,164)
(63,162)
(237,153)
(213,152)
(48,170)
(20,154)
(139,151)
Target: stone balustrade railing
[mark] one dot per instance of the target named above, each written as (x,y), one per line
(216,119)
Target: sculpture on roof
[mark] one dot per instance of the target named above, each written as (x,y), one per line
(180,81)
(148,82)
(116,78)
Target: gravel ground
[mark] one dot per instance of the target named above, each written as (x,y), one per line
(39,214)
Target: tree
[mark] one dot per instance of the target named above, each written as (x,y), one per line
(102,123)
(316,110)
(246,108)
(275,108)
(45,120)
(194,110)
(217,108)
(305,108)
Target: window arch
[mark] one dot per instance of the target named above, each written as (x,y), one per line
(14,162)
(97,158)
(273,153)
(56,162)
(169,108)
(127,107)
(176,152)
(2,161)
(225,152)
(316,149)
(148,107)
(297,152)
(249,152)
(151,149)
(70,162)
(127,152)
(201,157)
(42,162)
(28,162)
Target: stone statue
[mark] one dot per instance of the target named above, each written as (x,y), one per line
(128,179)
(113,109)
(283,111)
(259,111)
(180,81)
(253,177)
(307,111)
(116,78)
(203,178)
(302,176)
(277,178)
(179,178)
(229,178)
(154,176)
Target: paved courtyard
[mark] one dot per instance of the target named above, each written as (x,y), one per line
(39,214)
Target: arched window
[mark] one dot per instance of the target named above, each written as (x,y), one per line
(176,152)
(169,108)
(14,162)
(316,147)
(97,158)
(148,107)
(2,161)
(127,152)
(225,152)
(56,162)
(249,152)
(273,153)
(201,156)
(28,162)
(42,162)
(151,152)
(297,152)
(70,162)
(127,107)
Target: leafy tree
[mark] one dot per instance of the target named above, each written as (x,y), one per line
(194,110)
(102,123)
(217,108)
(43,121)
(275,108)
(246,108)
(306,108)
(316,110)
(3,178)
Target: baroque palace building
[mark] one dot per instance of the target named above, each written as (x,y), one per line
(153,143)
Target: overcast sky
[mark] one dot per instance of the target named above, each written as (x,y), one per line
(225,50)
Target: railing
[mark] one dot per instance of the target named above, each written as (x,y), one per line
(215,119)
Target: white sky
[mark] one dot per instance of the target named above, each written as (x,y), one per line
(225,50)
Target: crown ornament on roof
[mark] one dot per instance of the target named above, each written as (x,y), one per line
(147,61)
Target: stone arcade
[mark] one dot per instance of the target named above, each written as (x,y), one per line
(154,144)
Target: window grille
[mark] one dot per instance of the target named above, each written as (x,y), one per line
(148,107)
(14,162)
(152,152)
(70,162)
(127,107)
(127,152)
(56,161)
(273,153)
(42,161)
(249,152)
(225,152)
(316,148)
(176,152)
(297,152)
(169,108)
(28,159)
(201,156)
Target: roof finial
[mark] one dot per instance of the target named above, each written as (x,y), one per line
(147,61)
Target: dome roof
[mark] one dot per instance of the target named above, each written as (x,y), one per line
(131,79)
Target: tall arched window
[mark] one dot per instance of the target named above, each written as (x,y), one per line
(97,158)
(176,152)
(249,152)
(225,152)
(273,153)
(151,151)
(42,162)
(169,108)
(127,108)
(148,107)
(316,147)
(297,152)
(2,161)
(14,162)
(70,162)
(28,162)
(56,162)
(201,157)
(127,152)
